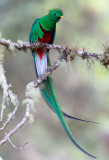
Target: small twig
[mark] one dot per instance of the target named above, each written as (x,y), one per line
(17,148)
(4,87)
(2,107)
(17,127)
(9,96)
(4,95)
(9,118)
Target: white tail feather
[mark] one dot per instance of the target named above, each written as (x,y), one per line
(41,64)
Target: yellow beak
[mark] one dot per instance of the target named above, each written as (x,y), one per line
(61,17)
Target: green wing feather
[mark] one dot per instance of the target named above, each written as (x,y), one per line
(36,31)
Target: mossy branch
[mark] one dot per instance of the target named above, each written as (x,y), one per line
(103,57)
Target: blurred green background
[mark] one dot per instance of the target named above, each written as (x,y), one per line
(82,88)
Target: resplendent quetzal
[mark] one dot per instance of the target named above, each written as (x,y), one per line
(44,30)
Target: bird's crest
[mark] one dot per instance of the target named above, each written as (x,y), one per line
(55,9)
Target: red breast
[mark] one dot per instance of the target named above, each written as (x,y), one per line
(45,39)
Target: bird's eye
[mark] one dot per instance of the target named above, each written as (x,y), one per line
(54,14)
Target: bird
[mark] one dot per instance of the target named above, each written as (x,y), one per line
(44,30)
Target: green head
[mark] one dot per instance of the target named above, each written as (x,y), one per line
(55,14)
(48,22)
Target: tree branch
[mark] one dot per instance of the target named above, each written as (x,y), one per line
(71,52)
